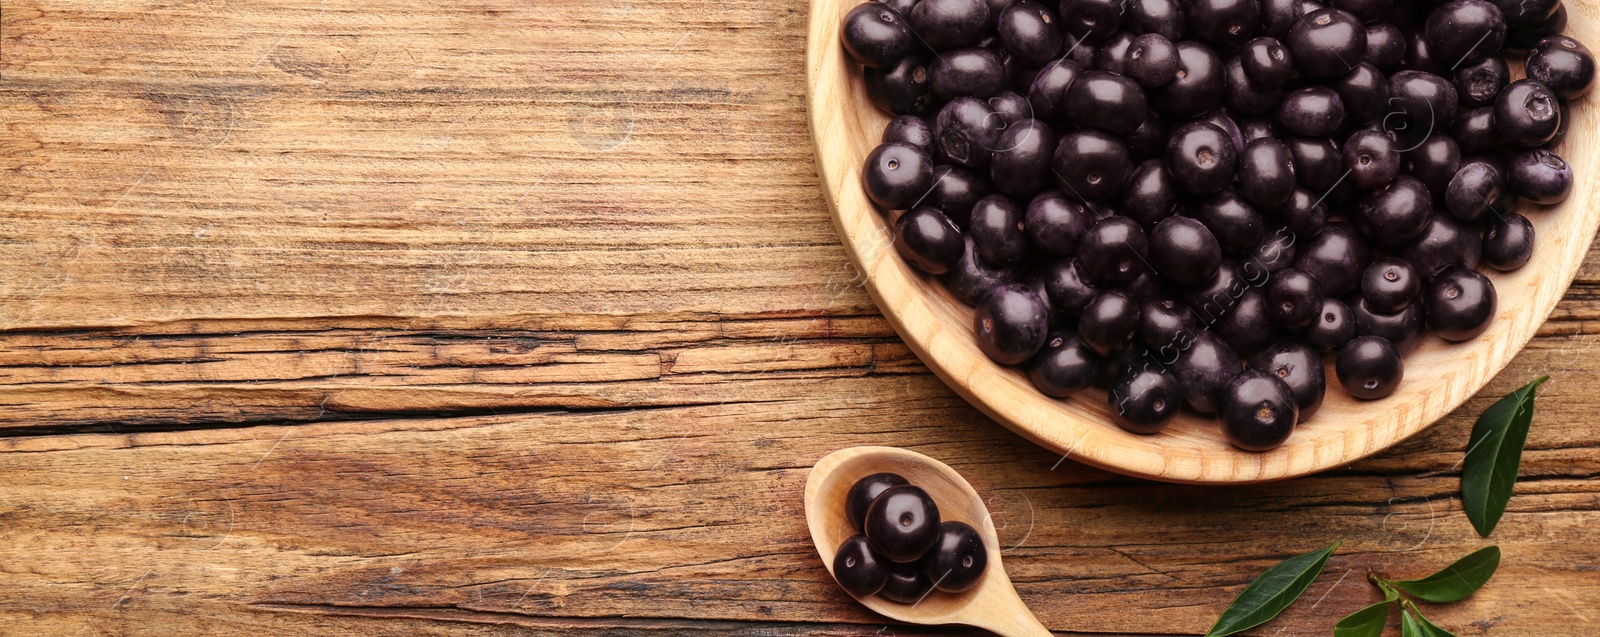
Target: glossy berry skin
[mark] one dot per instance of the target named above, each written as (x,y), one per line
(928,240)
(1266,173)
(1020,166)
(911,130)
(1434,161)
(1114,251)
(950,24)
(1224,24)
(1184,251)
(864,491)
(1293,300)
(1065,366)
(1010,106)
(1244,96)
(1150,194)
(1336,257)
(1365,93)
(1304,215)
(1212,301)
(1403,329)
(1444,242)
(1313,111)
(906,584)
(1067,288)
(965,134)
(1030,32)
(1479,82)
(1395,213)
(1203,371)
(1459,304)
(1334,327)
(1369,368)
(1473,190)
(955,191)
(858,569)
(1092,21)
(1527,12)
(1463,31)
(1237,225)
(1091,165)
(1371,158)
(1106,101)
(1165,326)
(971,279)
(1318,163)
(1109,322)
(902,523)
(902,89)
(1144,401)
(1527,113)
(958,558)
(1198,87)
(1011,324)
(1247,328)
(1201,158)
(1277,16)
(875,36)
(1047,94)
(1299,366)
(1563,64)
(1508,242)
(1164,17)
(1388,286)
(1152,60)
(1540,176)
(1474,130)
(1112,55)
(973,72)
(1327,43)
(1386,47)
(1258,411)
(1056,224)
(997,231)
(1266,62)
(1421,104)
(897,175)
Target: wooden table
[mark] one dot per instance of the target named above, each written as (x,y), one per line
(512,318)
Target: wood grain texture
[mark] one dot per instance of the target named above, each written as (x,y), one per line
(1439,375)
(288,352)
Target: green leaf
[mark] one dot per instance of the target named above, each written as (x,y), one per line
(1271,592)
(1429,630)
(1409,626)
(1367,622)
(1493,456)
(1457,581)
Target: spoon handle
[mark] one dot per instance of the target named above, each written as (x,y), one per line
(1016,621)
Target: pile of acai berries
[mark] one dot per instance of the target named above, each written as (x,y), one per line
(903,550)
(1190,202)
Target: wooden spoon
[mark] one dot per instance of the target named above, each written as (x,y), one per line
(992,605)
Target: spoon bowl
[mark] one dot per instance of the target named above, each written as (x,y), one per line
(992,604)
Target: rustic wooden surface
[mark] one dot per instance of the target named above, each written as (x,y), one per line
(512,318)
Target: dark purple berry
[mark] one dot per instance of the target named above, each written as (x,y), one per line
(1258,411)
(1369,368)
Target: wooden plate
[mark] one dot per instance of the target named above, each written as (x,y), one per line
(1439,375)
